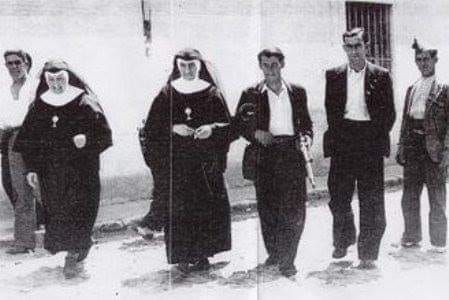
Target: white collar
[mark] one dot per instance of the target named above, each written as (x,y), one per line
(67,96)
(428,79)
(189,86)
(284,86)
(361,72)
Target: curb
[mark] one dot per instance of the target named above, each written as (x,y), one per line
(244,207)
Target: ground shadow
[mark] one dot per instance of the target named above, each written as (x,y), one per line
(252,277)
(411,258)
(164,280)
(343,273)
(47,276)
(141,244)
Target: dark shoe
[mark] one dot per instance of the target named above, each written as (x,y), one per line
(19,250)
(82,254)
(339,252)
(201,265)
(288,271)
(437,249)
(184,267)
(366,264)
(69,269)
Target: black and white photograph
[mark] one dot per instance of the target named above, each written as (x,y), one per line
(224,149)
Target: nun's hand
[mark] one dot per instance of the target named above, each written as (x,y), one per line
(32,179)
(203,132)
(79,140)
(183,130)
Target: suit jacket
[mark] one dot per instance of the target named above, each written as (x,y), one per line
(436,119)
(260,119)
(379,101)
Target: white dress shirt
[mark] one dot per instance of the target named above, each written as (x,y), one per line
(281,114)
(419,95)
(13,111)
(355,99)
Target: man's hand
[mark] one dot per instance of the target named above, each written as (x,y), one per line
(263,137)
(79,140)
(203,132)
(183,130)
(32,180)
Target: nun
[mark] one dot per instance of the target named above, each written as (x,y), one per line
(187,137)
(61,140)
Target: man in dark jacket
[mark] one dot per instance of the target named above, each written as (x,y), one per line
(360,114)
(272,116)
(423,151)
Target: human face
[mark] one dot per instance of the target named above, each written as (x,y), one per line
(16,66)
(57,82)
(426,63)
(271,68)
(355,49)
(188,68)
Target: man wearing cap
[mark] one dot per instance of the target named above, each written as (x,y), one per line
(424,151)
(360,114)
(278,118)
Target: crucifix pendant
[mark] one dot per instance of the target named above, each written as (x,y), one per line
(188,112)
(54,119)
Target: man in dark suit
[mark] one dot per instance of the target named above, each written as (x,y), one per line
(277,118)
(360,114)
(424,151)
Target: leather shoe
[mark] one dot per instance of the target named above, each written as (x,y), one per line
(288,271)
(366,264)
(339,252)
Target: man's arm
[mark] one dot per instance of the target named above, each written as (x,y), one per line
(445,160)
(389,111)
(305,125)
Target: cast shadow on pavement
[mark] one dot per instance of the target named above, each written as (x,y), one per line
(164,280)
(343,273)
(411,258)
(46,276)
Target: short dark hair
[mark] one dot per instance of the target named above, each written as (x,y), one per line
(22,54)
(268,52)
(420,49)
(356,31)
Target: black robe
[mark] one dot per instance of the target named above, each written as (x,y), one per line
(189,198)
(68,176)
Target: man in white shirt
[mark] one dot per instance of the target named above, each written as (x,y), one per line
(278,120)
(14,109)
(360,114)
(424,151)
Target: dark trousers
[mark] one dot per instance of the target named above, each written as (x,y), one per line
(358,164)
(420,170)
(281,201)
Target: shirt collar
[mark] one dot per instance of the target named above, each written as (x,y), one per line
(428,79)
(285,86)
(352,72)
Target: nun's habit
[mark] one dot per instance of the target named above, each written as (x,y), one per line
(190,198)
(69,176)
